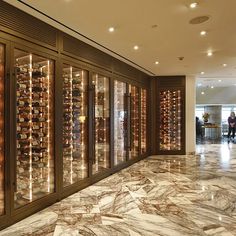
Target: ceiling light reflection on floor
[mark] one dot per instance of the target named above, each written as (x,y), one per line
(225,156)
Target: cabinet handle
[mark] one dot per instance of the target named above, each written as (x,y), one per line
(14,74)
(92,92)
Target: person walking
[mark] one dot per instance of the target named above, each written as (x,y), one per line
(232,125)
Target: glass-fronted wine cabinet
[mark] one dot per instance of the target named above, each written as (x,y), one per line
(34,177)
(120,122)
(2,156)
(134,121)
(69,124)
(101,123)
(170,120)
(143,121)
(75,123)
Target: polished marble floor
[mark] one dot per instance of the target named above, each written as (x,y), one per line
(161,195)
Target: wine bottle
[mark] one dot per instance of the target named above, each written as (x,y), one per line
(21,86)
(76,92)
(35,143)
(38,74)
(22,136)
(38,89)
(39,104)
(36,127)
(23,119)
(22,103)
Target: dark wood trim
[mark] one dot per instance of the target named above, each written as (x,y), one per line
(111,103)
(30,209)
(58,127)
(6,186)
(153,129)
(90,123)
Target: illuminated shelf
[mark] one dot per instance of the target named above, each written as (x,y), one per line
(34,127)
(170,120)
(134,123)
(101,123)
(75,160)
(143,121)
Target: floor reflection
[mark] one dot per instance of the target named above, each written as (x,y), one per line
(161,195)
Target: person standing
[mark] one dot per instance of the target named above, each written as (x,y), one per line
(232,125)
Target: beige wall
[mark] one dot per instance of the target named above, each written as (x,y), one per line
(190,114)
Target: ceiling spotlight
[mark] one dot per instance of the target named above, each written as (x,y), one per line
(224,65)
(136,47)
(212,87)
(156,62)
(111,29)
(219,80)
(202,73)
(209,54)
(203,33)
(193,5)
(202,93)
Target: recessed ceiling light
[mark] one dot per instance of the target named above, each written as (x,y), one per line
(209,54)
(111,29)
(202,93)
(203,33)
(136,47)
(202,73)
(156,62)
(193,5)
(219,80)
(224,65)
(212,87)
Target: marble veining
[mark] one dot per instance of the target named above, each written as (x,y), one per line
(183,195)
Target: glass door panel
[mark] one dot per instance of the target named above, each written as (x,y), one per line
(170,128)
(75,122)
(34,127)
(101,123)
(2,73)
(134,122)
(120,122)
(143,121)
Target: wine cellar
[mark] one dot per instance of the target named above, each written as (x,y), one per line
(71,115)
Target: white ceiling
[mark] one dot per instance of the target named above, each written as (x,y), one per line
(173,36)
